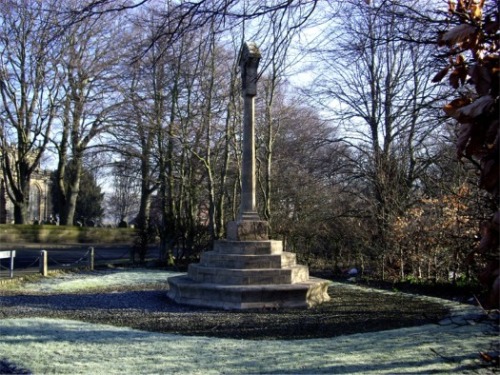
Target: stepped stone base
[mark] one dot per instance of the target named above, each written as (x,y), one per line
(240,297)
(248,271)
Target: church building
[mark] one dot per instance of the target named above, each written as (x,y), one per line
(40,207)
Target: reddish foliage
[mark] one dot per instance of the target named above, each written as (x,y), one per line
(474,70)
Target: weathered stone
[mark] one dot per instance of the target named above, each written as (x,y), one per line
(240,297)
(248,247)
(247,276)
(248,230)
(214,259)
(249,62)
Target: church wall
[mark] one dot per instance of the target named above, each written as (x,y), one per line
(40,206)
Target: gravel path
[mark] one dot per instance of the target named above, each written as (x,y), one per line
(351,310)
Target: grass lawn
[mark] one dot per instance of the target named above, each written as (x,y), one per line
(47,345)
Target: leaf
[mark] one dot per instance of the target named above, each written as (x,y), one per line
(476,11)
(492,133)
(496,219)
(491,27)
(451,108)
(490,174)
(440,42)
(452,5)
(458,76)
(486,357)
(463,138)
(489,241)
(477,107)
(492,357)
(458,34)
(475,146)
(460,59)
(481,78)
(486,241)
(438,77)
(454,80)
(470,141)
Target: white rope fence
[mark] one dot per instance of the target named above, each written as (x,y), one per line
(11,254)
(86,260)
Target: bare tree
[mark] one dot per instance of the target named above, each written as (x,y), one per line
(375,85)
(313,211)
(123,201)
(184,17)
(88,62)
(29,88)
(277,27)
(134,135)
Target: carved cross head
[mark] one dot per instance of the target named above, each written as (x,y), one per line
(249,62)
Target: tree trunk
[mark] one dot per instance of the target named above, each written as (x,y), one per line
(401,261)
(21,213)
(21,205)
(72,191)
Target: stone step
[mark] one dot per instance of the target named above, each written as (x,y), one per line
(214,259)
(228,276)
(302,295)
(266,247)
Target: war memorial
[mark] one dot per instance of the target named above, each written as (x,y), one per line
(248,270)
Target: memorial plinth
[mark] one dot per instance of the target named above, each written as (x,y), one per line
(248,274)
(248,270)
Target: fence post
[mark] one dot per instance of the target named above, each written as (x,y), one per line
(91,258)
(12,255)
(43,262)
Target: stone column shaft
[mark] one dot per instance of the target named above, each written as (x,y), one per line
(249,62)
(248,226)
(248,210)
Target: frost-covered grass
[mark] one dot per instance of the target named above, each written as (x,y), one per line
(70,347)
(92,281)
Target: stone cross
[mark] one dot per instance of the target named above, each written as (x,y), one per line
(249,62)
(248,270)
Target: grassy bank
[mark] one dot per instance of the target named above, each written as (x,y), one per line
(10,233)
